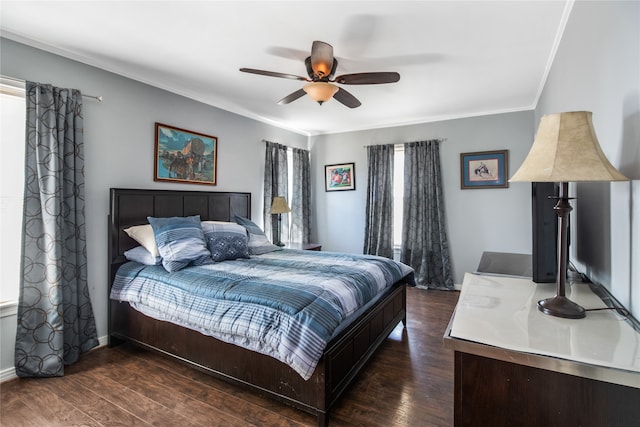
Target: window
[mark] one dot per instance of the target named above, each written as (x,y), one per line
(12,118)
(289,177)
(289,195)
(398,192)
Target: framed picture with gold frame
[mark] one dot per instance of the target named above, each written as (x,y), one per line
(185,156)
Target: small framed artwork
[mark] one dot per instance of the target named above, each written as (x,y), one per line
(185,156)
(340,177)
(485,169)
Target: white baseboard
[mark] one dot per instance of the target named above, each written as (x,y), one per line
(7,374)
(102,341)
(9,308)
(10,373)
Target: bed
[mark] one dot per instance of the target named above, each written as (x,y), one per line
(344,355)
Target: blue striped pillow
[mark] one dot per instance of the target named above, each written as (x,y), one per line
(180,242)
(258,242)
(225,240)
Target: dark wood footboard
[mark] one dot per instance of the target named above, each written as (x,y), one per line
(344,357)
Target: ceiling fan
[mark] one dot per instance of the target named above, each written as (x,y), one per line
(321,67)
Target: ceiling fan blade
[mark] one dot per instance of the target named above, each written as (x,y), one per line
(321,58)
(273,74)
(292,97)
(368,78)
(346,98)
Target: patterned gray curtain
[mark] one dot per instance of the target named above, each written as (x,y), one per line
(55,316)
(424,237)
(275,184)
(301,197)
(378,232)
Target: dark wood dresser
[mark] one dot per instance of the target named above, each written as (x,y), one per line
(515,366)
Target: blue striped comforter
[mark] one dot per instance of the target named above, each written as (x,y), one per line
(285,304)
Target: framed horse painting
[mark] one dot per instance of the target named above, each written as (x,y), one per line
(485,169)
(185,156)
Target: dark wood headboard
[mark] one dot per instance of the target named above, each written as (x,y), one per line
(130,206)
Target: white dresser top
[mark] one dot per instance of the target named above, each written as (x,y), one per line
(502,312)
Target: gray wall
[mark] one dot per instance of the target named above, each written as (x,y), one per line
(478,220)
(119,149)
(597,68)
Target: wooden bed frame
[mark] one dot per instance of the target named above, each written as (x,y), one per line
(343,358)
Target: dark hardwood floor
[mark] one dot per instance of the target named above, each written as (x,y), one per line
(408,382)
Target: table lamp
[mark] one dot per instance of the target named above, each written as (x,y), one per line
(565,150)
(279,206)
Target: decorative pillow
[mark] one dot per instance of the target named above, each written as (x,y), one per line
(180,242)
(143,234)
(142,255)
(225,240)
(258,242)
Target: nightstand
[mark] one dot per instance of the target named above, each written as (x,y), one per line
(304,246)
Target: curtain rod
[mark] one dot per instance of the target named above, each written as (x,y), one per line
(98,98)
(402,143)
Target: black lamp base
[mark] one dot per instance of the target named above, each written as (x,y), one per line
(560,306)
(279,242)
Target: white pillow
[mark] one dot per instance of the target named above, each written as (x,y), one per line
(143,234)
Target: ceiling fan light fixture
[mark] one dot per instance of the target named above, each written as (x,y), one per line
(321,69)
(320,91)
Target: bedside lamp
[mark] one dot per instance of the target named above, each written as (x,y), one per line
(279,206)
(565,150)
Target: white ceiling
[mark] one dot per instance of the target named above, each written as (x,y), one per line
(455,58)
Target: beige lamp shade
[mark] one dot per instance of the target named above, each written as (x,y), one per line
(279,206)
(320,91)
(566,149)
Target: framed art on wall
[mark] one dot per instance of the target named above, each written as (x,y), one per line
(185,156)
(340,177)
(485,169)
